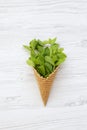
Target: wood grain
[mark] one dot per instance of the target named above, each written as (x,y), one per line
(21,107)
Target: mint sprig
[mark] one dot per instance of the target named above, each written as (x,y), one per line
(45,56)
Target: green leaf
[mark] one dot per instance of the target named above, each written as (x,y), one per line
(26,47)
(42,59)
(46,51)
(54,48)
(35,60)
(49,67)
(52,41)
(61,55)
(39,60)
(40,42)
(55,58)
(61,50)
(60,61)
(49,60)
(30,62)
(46,42)
(41,70)
(33,44)
(39,48)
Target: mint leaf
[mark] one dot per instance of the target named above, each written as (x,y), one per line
(45,56)
(49,60)
(33,44)
(61,50)
(52,41)
(45,42)
(55,58)
(26,47)
(40,48)
(30,62)
(41,70)
(46,51)
(49,67)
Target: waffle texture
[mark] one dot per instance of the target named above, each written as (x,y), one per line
(45,84)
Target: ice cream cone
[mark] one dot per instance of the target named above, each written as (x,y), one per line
(45,84)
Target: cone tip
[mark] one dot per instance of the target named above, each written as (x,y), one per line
(44,102)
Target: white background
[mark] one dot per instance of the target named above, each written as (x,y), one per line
(21,107)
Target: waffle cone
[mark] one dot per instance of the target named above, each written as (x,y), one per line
(45,84)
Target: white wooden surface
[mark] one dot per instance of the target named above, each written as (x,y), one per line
(21,107)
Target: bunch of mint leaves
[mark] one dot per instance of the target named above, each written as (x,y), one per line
(45,56)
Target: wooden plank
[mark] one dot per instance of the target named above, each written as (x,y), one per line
(21,107)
